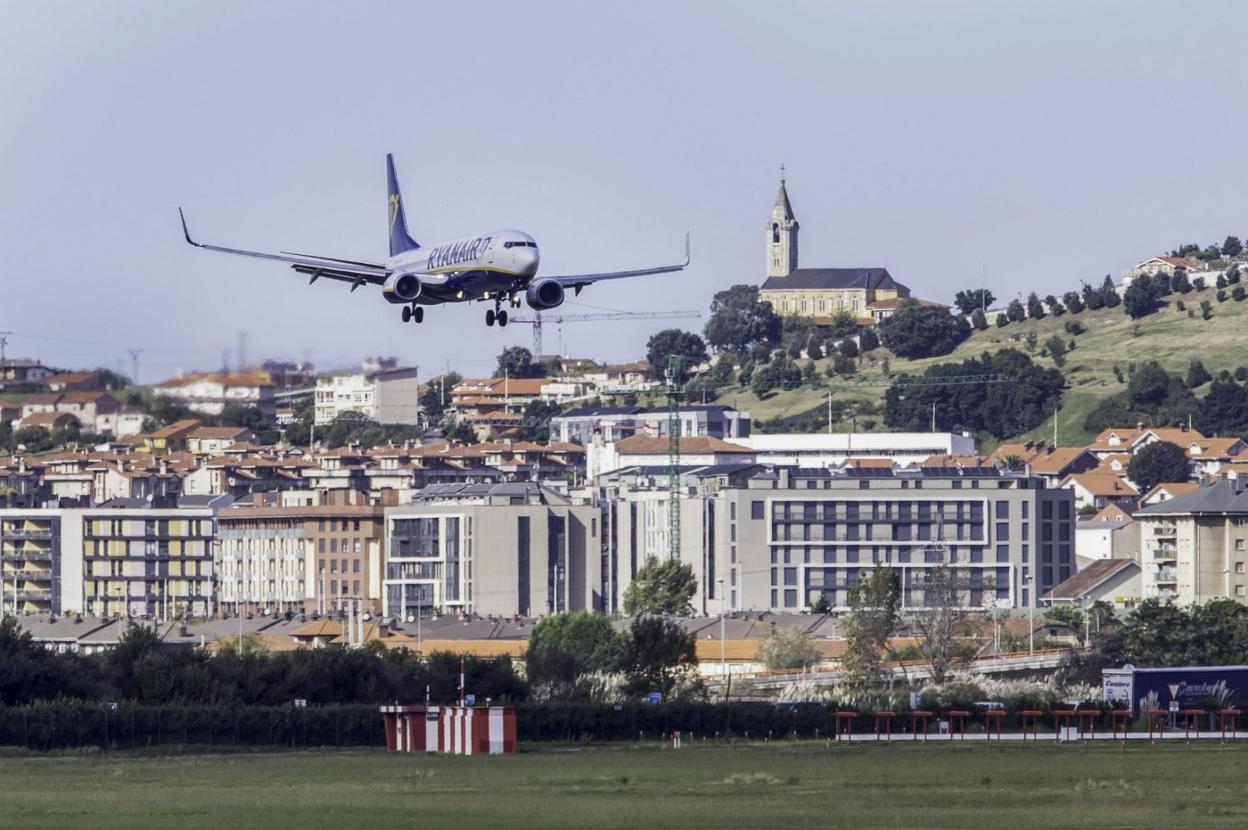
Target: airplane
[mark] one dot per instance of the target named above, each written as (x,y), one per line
(499,266)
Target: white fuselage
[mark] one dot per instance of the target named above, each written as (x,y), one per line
(471,267)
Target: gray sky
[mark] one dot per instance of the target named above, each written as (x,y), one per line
(1028,145)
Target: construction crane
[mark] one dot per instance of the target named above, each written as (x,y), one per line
(536,320)
(672,387)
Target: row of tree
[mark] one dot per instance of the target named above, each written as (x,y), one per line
(1154,396)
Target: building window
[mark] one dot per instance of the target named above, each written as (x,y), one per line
(756,510)
(1239,567)
(1239,590)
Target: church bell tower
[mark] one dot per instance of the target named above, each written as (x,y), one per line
(782,235)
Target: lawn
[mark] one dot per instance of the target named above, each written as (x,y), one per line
(1112,339)
(758,786)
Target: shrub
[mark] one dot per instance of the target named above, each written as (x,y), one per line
(1221,295)
(1075,327)
(1180,305)
(1206,310)
(1238,292)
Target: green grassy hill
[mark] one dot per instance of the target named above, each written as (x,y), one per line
(1170,337)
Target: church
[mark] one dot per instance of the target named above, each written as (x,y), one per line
(868,294)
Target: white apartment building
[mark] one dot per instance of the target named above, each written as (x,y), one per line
(381,391)
(834,449)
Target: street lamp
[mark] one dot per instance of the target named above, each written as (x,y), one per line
(723,658)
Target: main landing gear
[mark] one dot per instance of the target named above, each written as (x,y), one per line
(497,313)
(413,312)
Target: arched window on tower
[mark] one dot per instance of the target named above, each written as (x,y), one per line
(775,232)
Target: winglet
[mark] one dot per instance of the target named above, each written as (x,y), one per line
(686,246)
(185,231)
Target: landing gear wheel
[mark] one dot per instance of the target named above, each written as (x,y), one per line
(502,318)
(489,317)
(418,314)
(406,314)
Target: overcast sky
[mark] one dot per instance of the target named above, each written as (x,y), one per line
(1025,145)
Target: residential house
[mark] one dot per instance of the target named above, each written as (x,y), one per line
(1165,492)
(211,392)
(19,371)
(49,421)
(40,402)
(1053,463)
(74,382)
(647,451)
(213,440)
(1116,581)
(96,411)
(1096,491)
(1110,534)
(173,437)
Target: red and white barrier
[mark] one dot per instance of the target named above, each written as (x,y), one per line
(454,730)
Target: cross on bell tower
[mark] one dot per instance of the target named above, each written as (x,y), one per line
(782,230)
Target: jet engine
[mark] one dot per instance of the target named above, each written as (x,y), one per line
(401,288)
(544,294)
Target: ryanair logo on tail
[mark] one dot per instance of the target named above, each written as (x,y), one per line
(394,209)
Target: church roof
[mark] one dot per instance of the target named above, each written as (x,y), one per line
(805,279)
(782,205)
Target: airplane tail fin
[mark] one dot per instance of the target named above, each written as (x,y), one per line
(400,241)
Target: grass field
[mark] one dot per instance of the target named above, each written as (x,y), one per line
(1170,337)
(780,785)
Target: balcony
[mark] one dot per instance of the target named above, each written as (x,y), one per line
(1166,576)
(22,533)
(1165,553)
(1165,531)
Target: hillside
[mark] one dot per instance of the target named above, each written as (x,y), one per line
(1112,339)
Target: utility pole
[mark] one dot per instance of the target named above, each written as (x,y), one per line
(4,341)
(134,364)
(829,412)
(723,661)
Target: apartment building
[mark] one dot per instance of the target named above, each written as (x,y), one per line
(614,423)
(493,549)
(301,551)
(382,391)
(793,535)
(1194,547)
(30,561)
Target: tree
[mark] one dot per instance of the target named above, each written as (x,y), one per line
(973,298)
(868,341)
(843,324)
(848,347)
(1054,305)
(874,616)
(1071,615)
(978,320)
(436,395)
(1158,463)
(940,620)
(517,362)
(536,423)
(1057,350)
(659,656)
(1002,321)
(1015,312)
(1224,411)
(565,651)
(1035,308)
(964,402)
(786,647)
(34,439)
(1141,298)
(686,345)
(813,348)
(1073,301)
(1149,385)
(740,320)
(1092,298)
(1179,283)
(1109,292)
(661,587)
(916,331)
(1197,374)
(1206,310)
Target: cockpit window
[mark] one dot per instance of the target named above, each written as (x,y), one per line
(519,244)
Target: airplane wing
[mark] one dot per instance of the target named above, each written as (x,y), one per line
(579,281)
(345,270)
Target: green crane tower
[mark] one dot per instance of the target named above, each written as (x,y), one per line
(672,385)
